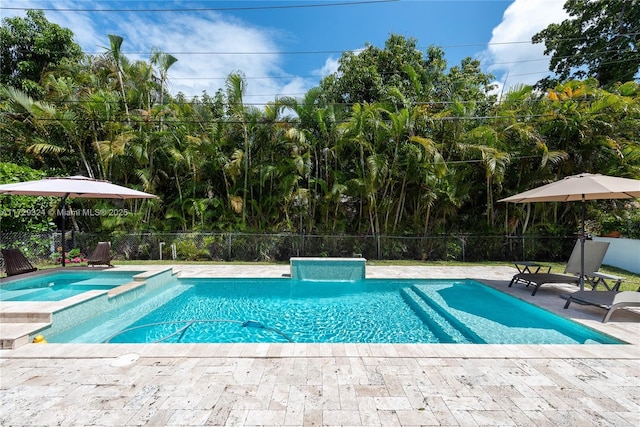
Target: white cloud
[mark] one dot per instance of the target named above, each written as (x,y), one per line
(330,66)
(521,63)
(208,47)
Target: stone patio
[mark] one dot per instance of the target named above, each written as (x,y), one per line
(333,384)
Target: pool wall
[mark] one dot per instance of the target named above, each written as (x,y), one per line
(69,317)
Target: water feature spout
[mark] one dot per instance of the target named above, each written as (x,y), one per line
(328,269)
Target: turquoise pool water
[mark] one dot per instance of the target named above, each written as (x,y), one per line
(364,311)
(59,286)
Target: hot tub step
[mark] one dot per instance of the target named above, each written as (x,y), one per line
(14,335)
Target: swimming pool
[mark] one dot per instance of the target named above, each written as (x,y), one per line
(59,286)
(363,311)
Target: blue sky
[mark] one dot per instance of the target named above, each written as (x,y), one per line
(286,47)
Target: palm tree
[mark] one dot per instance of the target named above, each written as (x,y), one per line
(53,131)
(485,140)
(163,61)
(119,61)
(238,117)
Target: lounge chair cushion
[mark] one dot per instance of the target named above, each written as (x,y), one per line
(610,300)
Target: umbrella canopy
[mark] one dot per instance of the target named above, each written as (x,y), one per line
(585,186)
(582,187)
(73,186)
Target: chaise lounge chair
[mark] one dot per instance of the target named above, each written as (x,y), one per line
(101,255)
(593,255)
(15,262)
(610,300)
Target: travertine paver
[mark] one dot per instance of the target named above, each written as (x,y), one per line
(330,391)
(332,384)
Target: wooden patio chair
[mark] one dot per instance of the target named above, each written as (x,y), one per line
(101,255)
(15,262)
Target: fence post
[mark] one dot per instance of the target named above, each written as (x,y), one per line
(464,256)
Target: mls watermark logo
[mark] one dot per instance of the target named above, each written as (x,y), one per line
(56,212)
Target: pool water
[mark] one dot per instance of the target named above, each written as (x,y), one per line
(364,311)
(59,286)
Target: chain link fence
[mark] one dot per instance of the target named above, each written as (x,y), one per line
(47,247)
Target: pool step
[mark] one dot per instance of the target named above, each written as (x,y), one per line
(20,294)
(14,335)
(8,316)
(431,300)
(16,327)
(441,327)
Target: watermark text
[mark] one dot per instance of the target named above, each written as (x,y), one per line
(37,212)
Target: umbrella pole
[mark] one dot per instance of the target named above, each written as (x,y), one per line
(582,238)
(64,250)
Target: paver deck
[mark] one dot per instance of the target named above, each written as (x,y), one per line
(333,384)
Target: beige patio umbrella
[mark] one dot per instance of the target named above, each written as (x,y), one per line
(582,187)
(73,186)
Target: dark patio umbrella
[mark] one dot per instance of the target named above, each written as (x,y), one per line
(582,187)
(73,186)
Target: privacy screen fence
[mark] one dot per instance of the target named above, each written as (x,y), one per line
(44,247)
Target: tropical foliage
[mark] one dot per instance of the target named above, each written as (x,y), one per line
(599,39)
(395,143)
